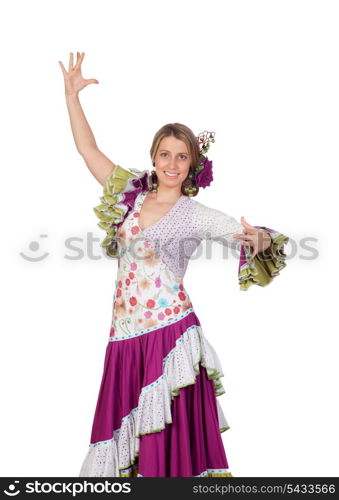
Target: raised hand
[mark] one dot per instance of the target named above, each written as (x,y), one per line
(257,238)
(74,81)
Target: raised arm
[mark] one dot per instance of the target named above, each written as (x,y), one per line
(99,165)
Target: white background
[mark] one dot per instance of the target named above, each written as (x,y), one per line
(264,76)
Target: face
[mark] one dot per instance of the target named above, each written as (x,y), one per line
(172,162)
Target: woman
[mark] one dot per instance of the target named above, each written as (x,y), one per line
(157,413)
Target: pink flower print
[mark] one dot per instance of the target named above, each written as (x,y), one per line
(120,307)
(168,311)
(127,281)
(148,314)
(119,292)
(131,275)
(161,316)
(158,282)
(136,214)
(181,286)
(186,305)
(182,296)
(134,229)
(133,266)
(150,303)
(146,244)
(176,310)
(132,301)
(119,283)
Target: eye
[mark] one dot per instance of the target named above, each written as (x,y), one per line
(163,154)
(183,157)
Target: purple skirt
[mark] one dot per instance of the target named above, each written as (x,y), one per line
(157,413)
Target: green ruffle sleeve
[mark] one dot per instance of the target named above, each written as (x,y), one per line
(119,193)
(265,266)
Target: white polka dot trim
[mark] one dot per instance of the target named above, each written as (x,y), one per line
(180,368)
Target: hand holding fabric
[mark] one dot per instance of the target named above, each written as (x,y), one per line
(259,239)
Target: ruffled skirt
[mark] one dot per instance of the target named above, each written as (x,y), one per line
(157,413)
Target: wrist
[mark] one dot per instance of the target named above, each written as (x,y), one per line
(72,96)
(262,230)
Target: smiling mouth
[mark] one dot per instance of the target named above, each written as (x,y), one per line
(173,175)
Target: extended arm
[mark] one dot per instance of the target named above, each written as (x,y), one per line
(260,269)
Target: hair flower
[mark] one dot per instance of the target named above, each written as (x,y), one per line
(205,175)
(203,172)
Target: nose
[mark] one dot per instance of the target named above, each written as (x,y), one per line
(172,165)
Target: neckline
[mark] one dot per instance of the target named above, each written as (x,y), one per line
(140,204)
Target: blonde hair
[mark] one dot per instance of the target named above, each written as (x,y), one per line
(181,132)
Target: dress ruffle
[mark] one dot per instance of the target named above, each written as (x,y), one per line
(266,265)
(119,193)
(181,366)
(118,456)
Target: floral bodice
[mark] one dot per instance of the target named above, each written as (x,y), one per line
(148,294)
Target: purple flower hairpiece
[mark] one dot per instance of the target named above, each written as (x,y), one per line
(204,174)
